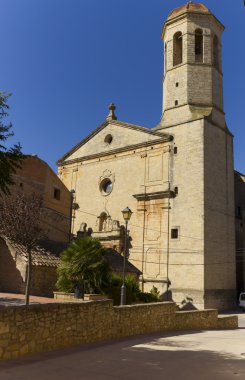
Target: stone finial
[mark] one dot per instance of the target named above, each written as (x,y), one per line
(111,115)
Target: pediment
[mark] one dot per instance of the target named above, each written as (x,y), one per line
(112,136)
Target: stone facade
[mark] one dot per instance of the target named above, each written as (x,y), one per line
(38,328)
(13,270)
(178,178)
(36,176)
(240,230)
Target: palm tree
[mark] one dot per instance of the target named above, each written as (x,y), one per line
(83,266)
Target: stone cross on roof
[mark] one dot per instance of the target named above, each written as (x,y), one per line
(111,115)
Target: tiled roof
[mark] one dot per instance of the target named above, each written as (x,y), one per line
(189,7)
(45,254)
(116,262)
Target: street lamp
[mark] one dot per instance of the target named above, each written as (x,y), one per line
(72,193)
(126,216)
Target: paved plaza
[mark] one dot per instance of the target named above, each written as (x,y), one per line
(11,299)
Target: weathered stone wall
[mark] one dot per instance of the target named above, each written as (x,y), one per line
(219,221)
(13,271)
(186,254)
(10,274)
(240,229)
(36,176)
(43,281)
(38,328)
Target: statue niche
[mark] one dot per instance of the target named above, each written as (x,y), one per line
(109,232)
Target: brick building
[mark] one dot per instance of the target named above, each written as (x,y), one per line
(35,176)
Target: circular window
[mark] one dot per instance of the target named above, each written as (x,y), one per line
(106,186)
(108,139)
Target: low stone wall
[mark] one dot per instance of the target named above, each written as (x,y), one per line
(87,297)
(38,328)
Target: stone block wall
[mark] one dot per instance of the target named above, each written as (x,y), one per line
(39,328)
(11,280)
(13,269)
(43,281)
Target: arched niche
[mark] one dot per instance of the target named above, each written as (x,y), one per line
(177,49)
(198,45)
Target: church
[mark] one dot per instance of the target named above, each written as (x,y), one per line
(177,178)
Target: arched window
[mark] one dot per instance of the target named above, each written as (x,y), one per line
(177,49)
(198,45)
(216,51)
(102,221)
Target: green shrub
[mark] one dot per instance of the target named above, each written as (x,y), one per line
(152,296)
(155,292)
(82,264)
(147,297)
(133,293)
(113,288)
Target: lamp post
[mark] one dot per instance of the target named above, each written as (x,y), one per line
(126,216)
(72,192)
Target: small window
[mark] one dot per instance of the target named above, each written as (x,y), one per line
(176,190)
(175,150)
(176,102)
(57,194)
(108,139)
(198,45)
(174,233)
(21,184)
(177,84)
(177,49)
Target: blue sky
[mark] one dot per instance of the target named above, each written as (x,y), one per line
(64,61)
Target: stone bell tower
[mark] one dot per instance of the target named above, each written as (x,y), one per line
(202,259)
(192,85)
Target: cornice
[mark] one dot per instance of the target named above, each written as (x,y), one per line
(165,138)
(155,195)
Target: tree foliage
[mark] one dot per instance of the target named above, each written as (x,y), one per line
(82,263)
(20,219)
(10,158)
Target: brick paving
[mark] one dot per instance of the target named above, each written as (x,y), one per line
(11,299)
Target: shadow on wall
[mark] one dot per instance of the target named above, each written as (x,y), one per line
(10,277)
(185,305)
(167,296)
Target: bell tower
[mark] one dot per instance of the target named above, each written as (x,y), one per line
(202,259)
(193,83)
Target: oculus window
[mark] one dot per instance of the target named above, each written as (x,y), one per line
(106,186)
